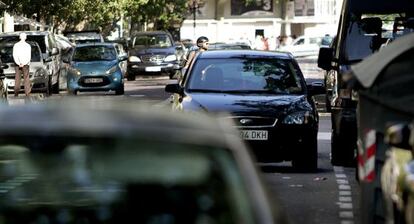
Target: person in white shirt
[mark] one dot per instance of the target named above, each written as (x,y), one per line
(22,57)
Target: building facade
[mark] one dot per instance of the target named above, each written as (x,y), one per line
(234,20)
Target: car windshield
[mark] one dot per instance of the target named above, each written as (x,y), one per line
(39,39)
(367,33)
(94,53)
(6,54)
(104,180)
(158,41)
(254,75)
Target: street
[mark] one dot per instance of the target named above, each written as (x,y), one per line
(329,195)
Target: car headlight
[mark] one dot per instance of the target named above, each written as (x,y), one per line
(40,73)
(170,58)
(297,118)
(112,70)
(75,71)
(134,59)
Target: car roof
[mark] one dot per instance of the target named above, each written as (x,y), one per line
(151,33)
(244,53)
(30,33)
(109,117)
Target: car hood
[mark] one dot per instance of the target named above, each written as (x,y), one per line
(94,66)
(154,51)
(243,104)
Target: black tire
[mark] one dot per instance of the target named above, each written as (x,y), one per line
(72,92)
(328,103)
(130,77)
(120,91)
(49,91)
(307,159)
(55,87)
(342,151)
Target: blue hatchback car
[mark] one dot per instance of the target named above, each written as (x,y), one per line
(95,67)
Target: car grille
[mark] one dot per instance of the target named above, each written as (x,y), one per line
(253,122)
(153,58)
(12,75)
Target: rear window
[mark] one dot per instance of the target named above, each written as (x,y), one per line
(69,180)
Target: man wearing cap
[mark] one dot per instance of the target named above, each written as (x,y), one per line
(22,56)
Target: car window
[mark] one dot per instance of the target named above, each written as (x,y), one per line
(247,75)
(73,180)
(159,41)
(94,53)
(300,42)
(6,54)
(39,39)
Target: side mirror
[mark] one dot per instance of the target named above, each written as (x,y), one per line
(55,51)
(174,88)
(325,58)
(398,135)
(316,88)
(48,59)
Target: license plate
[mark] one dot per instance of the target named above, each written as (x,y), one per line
(254,135)
(94,80)
(153,69)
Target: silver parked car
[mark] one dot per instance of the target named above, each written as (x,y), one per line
(48,46)
(39,76)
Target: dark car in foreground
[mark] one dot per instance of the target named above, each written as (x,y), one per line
(152,53)
(89,161)
(95,67)
(266,95)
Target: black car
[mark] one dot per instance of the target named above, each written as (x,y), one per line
(152,53)
(266,96)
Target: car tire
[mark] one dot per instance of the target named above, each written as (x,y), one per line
(341,152)
(56,87)
(72,92)
(307,160)
(120,91)
(48,91)
(130,77)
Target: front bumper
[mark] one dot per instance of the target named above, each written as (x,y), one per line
(39,83)
(86,83)
(139,68)
(284,142)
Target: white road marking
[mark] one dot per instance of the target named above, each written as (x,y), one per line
(345,197)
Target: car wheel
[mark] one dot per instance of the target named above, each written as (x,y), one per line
(341,151)
(120,91)
(307,160)
(55,87)
(48,91)
(130,77)
(72,92)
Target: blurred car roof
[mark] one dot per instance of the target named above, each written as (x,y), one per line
(108,118)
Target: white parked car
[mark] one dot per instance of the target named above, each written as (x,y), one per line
(304,46)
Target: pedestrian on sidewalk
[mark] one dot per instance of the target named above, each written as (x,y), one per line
(22,55)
